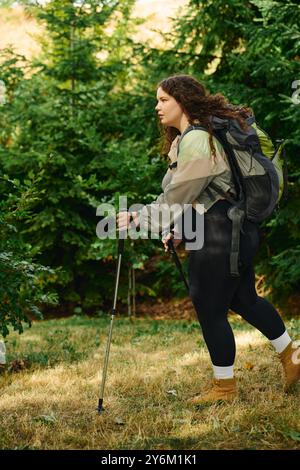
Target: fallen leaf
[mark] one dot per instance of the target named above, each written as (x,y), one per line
(119,421)
(45,419)
(18,364)
(291,434)
(172,392)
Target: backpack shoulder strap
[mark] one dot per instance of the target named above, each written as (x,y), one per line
(189,129)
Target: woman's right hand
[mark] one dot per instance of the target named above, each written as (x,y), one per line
(176,241)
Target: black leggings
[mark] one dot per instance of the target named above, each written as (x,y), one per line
(213,291)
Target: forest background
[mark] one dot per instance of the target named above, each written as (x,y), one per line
(78,128)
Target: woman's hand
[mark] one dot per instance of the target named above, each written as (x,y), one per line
(176,241)
(123,219)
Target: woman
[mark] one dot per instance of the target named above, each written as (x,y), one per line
(182,102)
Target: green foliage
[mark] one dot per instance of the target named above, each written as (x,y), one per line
(82,117)
(76,127)
(22,282)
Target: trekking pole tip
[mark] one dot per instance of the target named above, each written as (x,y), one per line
(100,408)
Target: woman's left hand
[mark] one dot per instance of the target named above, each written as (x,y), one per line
(176,241)
(123,219)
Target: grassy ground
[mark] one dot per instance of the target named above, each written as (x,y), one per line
(155,365)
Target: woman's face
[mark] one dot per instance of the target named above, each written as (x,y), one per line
(168,109)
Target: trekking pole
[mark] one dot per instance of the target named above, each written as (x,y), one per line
(113,312)
(177,262)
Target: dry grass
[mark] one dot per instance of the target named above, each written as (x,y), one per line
(154,367)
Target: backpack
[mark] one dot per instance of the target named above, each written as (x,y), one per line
(259,172)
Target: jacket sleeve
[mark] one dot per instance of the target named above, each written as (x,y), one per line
(195,170)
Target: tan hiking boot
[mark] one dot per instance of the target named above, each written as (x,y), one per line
(290,359)
(223,390)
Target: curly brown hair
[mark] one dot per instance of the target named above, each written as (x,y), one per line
(199,105)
